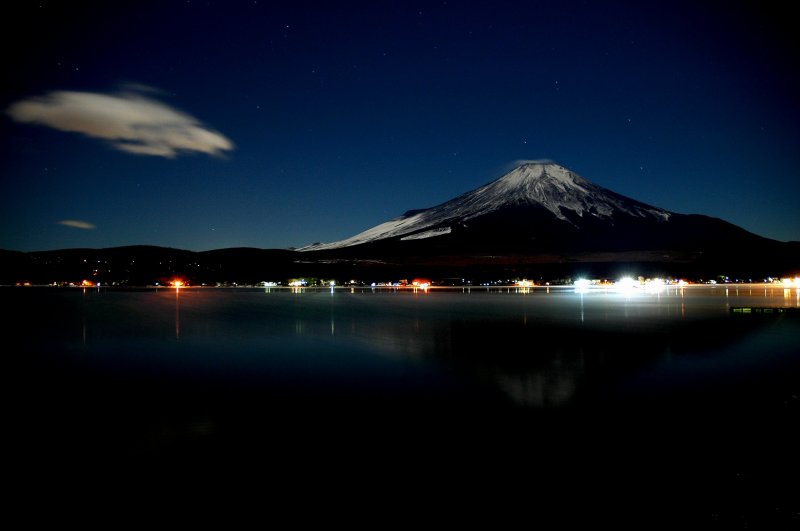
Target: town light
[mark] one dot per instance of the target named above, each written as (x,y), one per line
(789,282)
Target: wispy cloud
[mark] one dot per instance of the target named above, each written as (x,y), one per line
(77,224)
(533,161)
(130,121)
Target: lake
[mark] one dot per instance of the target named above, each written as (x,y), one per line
(681,402)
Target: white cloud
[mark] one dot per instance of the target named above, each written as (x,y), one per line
(77,224)
(130,121)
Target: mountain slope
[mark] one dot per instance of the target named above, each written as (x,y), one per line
(542,207)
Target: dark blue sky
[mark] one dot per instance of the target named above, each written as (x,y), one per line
(203,125)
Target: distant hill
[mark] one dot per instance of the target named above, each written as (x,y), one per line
(145,265)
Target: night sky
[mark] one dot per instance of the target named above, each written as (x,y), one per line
(204,125)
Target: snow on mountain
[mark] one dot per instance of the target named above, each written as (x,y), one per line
(536,184)
(428,234)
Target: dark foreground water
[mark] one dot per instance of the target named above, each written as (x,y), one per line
(639,409)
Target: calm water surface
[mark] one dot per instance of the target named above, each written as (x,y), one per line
(665,391)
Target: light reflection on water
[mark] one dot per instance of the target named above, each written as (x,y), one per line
(538,347)
(532,344)
(204,374)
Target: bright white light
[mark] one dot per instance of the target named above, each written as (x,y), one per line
(582,283)
(626,283)
(332,283)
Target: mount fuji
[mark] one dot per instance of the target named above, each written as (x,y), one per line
(542,207)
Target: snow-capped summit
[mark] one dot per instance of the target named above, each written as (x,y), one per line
(539,205)
(553,187)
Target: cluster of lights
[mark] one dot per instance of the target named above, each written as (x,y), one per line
(623,284)
(626,283)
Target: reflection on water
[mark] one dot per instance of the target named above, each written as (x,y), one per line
(541,347)
(178,313)
(154,370)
